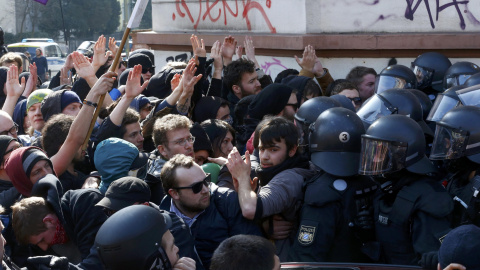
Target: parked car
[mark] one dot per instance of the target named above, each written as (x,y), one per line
(51,50)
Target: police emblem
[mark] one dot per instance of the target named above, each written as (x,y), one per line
(306,235)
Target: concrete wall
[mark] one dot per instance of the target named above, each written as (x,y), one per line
(345,33)
(7,16)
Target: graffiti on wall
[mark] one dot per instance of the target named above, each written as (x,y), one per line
(183,57)
(273,67)
(213,10)
(459,6)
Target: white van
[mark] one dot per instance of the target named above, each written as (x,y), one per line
(51,50)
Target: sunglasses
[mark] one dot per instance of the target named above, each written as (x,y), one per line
(145,70)
(197,187)
(356,100)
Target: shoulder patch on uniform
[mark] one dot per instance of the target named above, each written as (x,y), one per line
(306,235)
(340,184)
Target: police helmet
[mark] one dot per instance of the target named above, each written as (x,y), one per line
(424,100)
(393,101)
(458,135)
(469,96)
(308,113)
(459,73)
(393,143)
(132,237)
(430,68)
(473,80)
(395,76)
(445,102)
(335,141)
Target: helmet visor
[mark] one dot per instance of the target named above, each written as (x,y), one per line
(469,96)
(387,82)
(449,143)
(442,105)
(303,131)
(424,76)
(375,108)
(457,79)
(380,156)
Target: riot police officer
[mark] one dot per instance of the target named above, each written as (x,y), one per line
(410,208)
(395,76)
(456,142)
(459,73)
(430,68)
(337,215)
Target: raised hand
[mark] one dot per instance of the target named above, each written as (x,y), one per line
(134,87)
(188,78)
(239,168)
(198,47)
(82,65)
(175,82)
(68,62)
(99,56)
(215,53)
(308,59)
(13,87)
(65,78)
(228,49)
(32,80)
(239,51)
(112,46)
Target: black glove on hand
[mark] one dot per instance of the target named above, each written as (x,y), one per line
(48,262)
(429,260)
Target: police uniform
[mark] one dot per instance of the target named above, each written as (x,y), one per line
(337,216)
(411,221)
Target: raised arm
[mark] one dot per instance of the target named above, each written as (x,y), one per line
(133,88)
(188,82)
(215,53)
(14,90)
(240,171)
(228,49)
(79,129)
(32,81)
(250,50)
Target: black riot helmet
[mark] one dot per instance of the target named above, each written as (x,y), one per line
(424,100)
(395,76)
(335,141)
(393,101)
(458,135)
(131,239)
(308,113)
(469,96)
(430,68)
(393,143)
(445,102)
(473,80)
(459,73)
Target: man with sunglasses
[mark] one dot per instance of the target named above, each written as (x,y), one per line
(349,90)
(128,191)
(8,127)
(212,213)
(148,69)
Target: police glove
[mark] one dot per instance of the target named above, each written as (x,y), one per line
(48,262)
(429,260)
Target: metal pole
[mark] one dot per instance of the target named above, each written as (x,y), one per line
(63,21)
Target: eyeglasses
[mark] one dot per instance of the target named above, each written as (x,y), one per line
(145,70)
(13,130)
(183,141)
(197,187)
(294,106)
(356,100)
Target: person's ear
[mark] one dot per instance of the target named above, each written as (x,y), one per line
(237,89)
(292,151)
(50,219)
(173,193)
(161,150)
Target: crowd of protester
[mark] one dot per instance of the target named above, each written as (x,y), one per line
(206,161)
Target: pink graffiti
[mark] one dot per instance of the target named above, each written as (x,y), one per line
(212,15)
(268,65)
